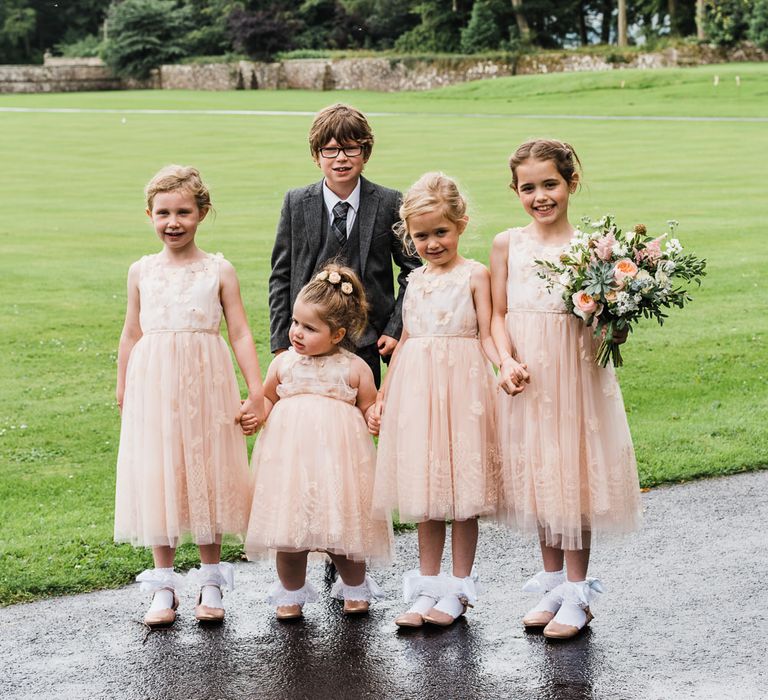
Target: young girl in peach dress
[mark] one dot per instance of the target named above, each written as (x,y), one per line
(568,466)
(315,459)
(437,450)
(182,467)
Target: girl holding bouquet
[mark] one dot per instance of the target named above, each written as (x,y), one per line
(568,466)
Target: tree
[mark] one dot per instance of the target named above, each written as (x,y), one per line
(144,34)
(263,32)
(482,33)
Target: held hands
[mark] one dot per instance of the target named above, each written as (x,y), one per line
(252,415)
(386,345)
(513,376)
(373,415)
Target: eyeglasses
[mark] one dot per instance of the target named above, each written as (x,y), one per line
(349,151)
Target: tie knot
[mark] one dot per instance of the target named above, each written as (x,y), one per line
(340,210)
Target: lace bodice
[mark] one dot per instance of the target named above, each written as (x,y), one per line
(526,291)
(326,375)
(180,298)
(440,304)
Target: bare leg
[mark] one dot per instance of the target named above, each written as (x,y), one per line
(577,562)
(463,546)
(552,557)
(351,572)
(163,557)
(431,543)
(210,553)
(292,569)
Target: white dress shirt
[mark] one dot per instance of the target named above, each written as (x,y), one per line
(332,199)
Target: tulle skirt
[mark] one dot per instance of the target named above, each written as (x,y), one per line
(568,465)
(314,467)
(182,466)
(438,451)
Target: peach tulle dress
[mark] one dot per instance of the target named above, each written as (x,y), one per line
(182,467)
(568,465)
(438,451)
(314,466)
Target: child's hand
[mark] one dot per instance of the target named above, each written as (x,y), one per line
(513,376)
(386,345)
(373,421)
(373,415)
(252,415)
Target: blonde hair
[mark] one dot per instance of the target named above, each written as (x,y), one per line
(432,191)
(172,178)
(338,293)
(344,124)
(560,153)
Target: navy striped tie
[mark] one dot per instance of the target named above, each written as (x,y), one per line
(339,224)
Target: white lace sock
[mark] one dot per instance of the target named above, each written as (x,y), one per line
(367,591)
(577,596)
(163,598)
(211,592)
(422,592)
(279,595)
(547,583)
(460,592)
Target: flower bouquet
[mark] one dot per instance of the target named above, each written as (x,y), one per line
(610,278)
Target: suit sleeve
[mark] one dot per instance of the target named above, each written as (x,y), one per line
(406,263)
(280,281)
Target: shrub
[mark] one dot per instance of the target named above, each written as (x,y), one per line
(758,24)
(726,21)
(87,47)
(144,34)
(262,33)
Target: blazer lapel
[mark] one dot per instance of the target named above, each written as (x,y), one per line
(313,220)
(366,217)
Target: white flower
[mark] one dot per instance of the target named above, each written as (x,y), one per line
(673,247)
(322,276)
(477,408)
(620,250)
(346,287)
(334,278)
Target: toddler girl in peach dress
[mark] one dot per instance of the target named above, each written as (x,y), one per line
(315,459)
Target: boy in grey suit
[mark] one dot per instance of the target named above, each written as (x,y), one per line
(343,217)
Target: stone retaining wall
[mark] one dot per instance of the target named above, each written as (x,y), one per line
(390,74)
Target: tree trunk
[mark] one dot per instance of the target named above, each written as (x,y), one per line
(522,23)
(583,24)
(700,33)
(622,33)
(672,10)
(605,28)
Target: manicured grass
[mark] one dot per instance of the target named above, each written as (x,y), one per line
(72,183)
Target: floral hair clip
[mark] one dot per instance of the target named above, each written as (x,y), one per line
(334,278)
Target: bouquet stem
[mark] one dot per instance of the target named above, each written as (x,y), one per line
(609,350)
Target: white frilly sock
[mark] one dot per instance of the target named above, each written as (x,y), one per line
(459,592)
(279,595)
(157,582)
(548,585)
(577,597)
(212,579)
(422,592)
(367,591)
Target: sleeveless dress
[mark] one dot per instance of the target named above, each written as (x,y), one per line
(438,450)
(314,466)
(568,464)
(182,466)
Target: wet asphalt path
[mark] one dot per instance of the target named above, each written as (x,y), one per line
(684,616)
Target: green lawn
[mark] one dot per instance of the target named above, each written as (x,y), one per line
(73,221)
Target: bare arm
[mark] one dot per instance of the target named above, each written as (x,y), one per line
(241,340)
(374,418)
(131,332)
(512,374)
(480,283)
(361,377)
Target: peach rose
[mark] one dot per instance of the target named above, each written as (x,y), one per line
(624,269)
(585,306)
